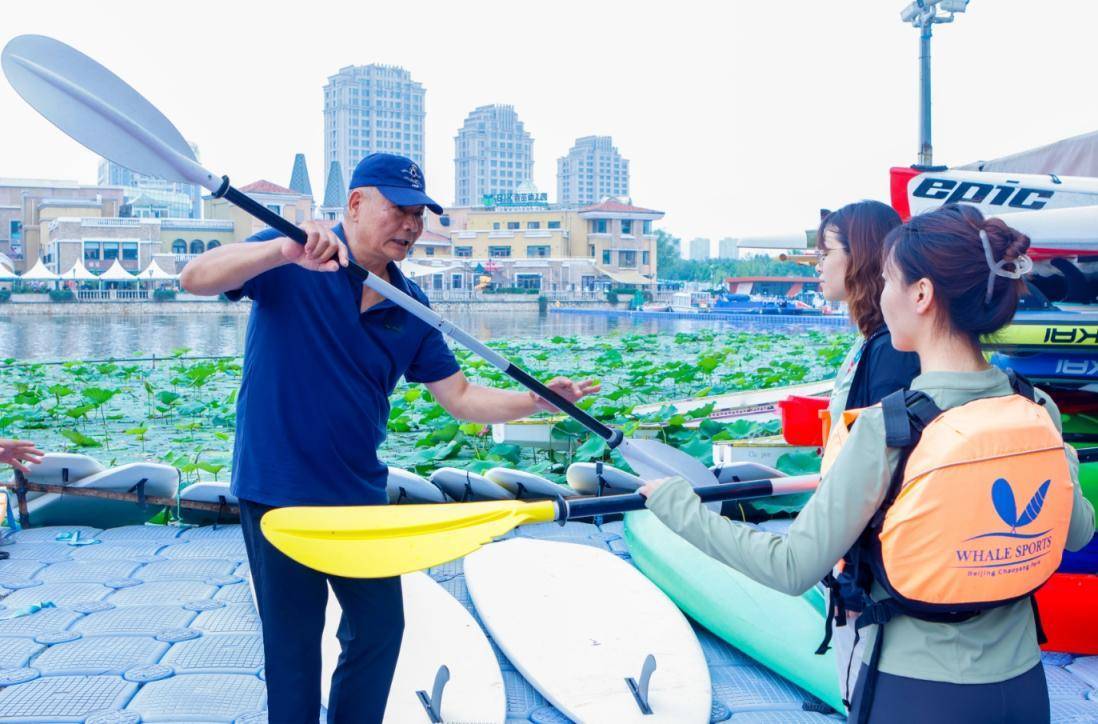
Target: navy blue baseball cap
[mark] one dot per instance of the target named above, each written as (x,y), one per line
(398,178)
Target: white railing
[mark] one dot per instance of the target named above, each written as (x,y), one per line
(452,295)
(116,222)
(216,224)
(553,295)
(112,295)
(586,295)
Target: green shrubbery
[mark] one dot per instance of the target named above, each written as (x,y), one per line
(614,294)
(62,295)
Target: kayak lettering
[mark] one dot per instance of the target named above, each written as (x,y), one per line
(972,192)
(1077,367)
(1071,335)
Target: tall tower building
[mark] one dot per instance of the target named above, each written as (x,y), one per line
(592,171)
(729,248)
(370,109)
(493,154)
(699,248)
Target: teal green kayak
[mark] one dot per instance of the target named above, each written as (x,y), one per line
(779,631)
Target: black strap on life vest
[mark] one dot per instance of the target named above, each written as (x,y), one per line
(1022,386)
(906,414)
(1042,639)
(836,612)
(879,614)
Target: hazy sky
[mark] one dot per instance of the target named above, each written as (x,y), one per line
(737,117)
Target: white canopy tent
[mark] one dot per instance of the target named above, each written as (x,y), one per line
(116,274)
(626,276)
(39,273)
(155,273)
(79,273)
(6,274)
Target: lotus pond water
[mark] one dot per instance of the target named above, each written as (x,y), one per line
(181,409)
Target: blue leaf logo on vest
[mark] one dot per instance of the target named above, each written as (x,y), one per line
(1031,546)
(1002,497)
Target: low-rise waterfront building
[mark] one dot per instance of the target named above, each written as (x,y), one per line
(291,205)
(134,242)
(28,204)
(519,240)
(148,196)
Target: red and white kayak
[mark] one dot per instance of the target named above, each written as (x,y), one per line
(1058,213)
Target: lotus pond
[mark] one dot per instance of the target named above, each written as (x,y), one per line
(181,409)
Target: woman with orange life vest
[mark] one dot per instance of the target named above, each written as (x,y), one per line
(952,563)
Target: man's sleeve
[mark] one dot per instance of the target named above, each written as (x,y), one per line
(253,288)
(434,360)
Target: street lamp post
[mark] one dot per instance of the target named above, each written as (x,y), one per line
(924,14)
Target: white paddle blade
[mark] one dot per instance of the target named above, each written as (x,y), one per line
(99,110)
(652,459)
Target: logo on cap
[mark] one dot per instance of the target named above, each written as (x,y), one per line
(413,176)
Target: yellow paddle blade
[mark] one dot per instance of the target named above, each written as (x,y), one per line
(376,541)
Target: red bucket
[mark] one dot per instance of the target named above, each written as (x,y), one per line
(801,424)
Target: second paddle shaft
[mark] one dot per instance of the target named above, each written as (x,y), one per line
(573,508)
(612,437)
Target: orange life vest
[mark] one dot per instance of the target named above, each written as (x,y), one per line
(976,516)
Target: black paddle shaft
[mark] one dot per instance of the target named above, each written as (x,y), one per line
(612,437)
(573,508)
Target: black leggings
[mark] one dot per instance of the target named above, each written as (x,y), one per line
(900,700)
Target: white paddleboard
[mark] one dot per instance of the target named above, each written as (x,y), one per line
(208,492)
(438,631)
(403,486)
(577,621)
(584,477)
(63,468)
(462,484)
(161,481)
(522,484)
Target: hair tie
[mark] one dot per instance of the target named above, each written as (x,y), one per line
(1022,265)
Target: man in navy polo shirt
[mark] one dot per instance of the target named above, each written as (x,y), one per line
(322,355)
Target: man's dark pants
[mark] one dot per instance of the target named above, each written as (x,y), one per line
(291,600)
